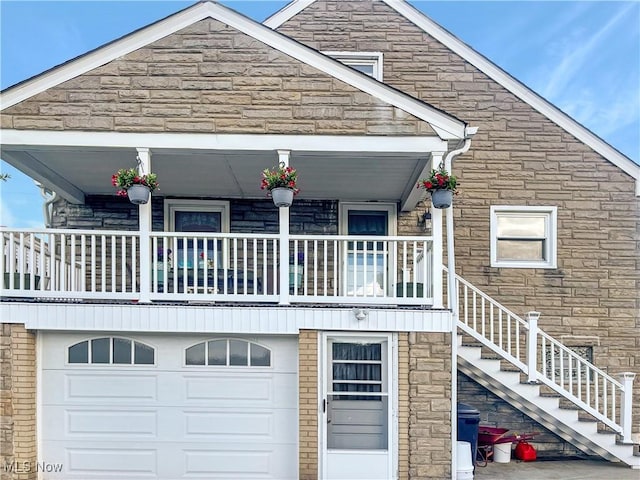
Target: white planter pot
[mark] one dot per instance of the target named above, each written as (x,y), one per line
(442,198)
(282,197)
(138,194)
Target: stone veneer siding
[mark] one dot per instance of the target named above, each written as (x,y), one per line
(210,78)
(17,403)
(518,157)
(496,412)
(429,406)
(109,212)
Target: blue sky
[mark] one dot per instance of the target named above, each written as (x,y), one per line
(582,56)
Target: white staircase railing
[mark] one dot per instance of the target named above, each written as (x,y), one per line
(546,360)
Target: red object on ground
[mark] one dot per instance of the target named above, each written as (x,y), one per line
(491,435)
(525,451)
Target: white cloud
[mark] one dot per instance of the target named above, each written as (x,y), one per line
(577,55)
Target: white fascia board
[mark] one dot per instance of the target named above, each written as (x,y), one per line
(411,198)
(446,126)
(520,90)
(212,141)
(103,55)
(273,320)
(287,12)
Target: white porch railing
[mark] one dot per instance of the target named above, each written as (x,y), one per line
(366,269)
(83,264)
(545,359)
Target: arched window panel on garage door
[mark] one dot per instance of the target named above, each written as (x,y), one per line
(228,352)
(111,351)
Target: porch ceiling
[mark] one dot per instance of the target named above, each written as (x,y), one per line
(348,175)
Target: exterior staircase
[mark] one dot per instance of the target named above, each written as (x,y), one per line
(544,379)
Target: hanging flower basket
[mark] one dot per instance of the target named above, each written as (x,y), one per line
(282,196)
(441,185)
(133,185)
(442,198)
(138,194)
(281,182)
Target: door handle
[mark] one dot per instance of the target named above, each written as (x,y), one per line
(325,404)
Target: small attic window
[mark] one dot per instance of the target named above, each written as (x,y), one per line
(369,63)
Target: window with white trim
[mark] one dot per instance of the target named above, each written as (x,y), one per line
(196,216)
(369,63)
(523,237)
(111,351)
(228,352)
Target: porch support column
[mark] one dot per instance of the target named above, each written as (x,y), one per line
(437,233)
(144,219)
(283,158)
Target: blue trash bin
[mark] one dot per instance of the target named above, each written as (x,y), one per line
(468,422)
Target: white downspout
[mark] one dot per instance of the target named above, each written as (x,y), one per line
(49,197)
(452,300)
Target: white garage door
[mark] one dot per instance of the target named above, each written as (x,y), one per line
(169,407)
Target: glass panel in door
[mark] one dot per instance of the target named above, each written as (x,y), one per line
(195,255)
(197,221)
(367,261)
(357,397)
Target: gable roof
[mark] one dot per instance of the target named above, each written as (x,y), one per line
(494,72)
(445,125)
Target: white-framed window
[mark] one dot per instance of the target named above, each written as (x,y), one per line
(369,63)
(196,216)
(111,351)
(228,352)
(523,237)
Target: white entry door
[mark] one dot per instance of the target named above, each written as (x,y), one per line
(358,426)
(365,270)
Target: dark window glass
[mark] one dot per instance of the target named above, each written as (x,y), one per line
(218,352)
(144,354)
(357,371)
(121,351)
(260,356)
(100,349)
(367,222)
(79,353)
(355,351)
(238,353)
(195,354)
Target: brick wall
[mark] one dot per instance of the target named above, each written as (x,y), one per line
(518,157)
(429,406)
(210,78)
(308,401)
(403,406)
(17,402)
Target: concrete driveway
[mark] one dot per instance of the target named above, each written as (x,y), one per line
(556,470)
